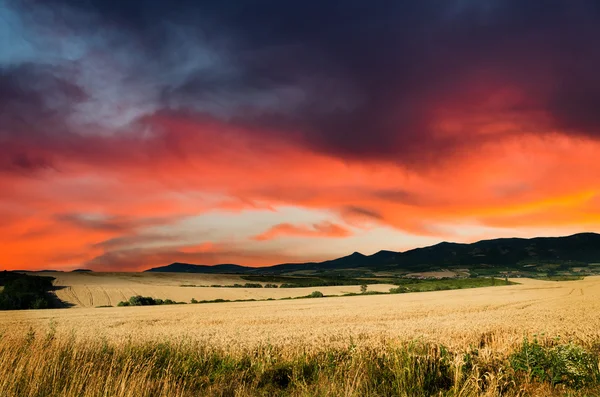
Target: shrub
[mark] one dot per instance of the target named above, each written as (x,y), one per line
(139,300)
(315,294)
(563,364)
(363,288)
(398,290)
(253,285)
(25,292)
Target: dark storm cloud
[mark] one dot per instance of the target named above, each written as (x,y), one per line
(35,100)
(355,79)
(31,95)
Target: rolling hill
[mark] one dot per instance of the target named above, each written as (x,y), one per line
(549,253)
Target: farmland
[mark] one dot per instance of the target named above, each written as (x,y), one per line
(107,289)
(253,338)
(454,318)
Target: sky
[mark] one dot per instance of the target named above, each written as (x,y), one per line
(138,133)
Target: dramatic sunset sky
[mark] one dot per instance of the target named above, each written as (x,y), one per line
(139,133)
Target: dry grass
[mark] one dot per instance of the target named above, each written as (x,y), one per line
(108,289)
(455,318)
(356,346)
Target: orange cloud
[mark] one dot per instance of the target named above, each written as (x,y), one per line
(323,229)
(108,209)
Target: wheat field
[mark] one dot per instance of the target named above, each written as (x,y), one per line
(470,342)
(455,318)
(90,289)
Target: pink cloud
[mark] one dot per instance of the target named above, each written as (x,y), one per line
(323,229)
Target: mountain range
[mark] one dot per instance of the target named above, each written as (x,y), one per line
(504,253)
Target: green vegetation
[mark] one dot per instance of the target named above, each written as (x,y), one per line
(567,364)
(147,301)
(366,293)
(49,366)
(194,301)
(562,278)
(412,285)
(247,285)
(22,291)
(313,281)
(407,285)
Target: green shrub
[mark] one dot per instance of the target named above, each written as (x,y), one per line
(253,285)
(315,294)
(22,291)
(139,300)
(567,364)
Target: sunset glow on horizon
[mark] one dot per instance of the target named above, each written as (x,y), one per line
(134,136)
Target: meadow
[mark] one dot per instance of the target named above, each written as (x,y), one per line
(536,338)
(108,289)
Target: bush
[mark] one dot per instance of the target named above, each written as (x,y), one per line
(253,285)
(563,364)
(139,300)
(398,290)
(271,286)
(25,292)
(315,294)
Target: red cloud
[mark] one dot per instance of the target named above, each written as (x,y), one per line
(323,229)
(103,206)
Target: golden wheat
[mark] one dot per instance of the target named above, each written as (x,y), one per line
(455,318)
(108,289)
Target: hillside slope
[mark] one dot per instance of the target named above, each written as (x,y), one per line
(552,253)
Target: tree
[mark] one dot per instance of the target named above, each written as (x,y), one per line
(363,288)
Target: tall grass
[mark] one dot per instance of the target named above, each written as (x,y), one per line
(50,365)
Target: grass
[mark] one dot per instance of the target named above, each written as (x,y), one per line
(48,365)
(562,278)
(461,343)
(312,281)
(407,285)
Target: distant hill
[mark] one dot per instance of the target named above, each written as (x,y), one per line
(189,268)
(505,253)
